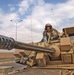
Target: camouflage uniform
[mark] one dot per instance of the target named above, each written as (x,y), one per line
(50,35)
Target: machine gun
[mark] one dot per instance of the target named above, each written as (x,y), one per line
(9,43)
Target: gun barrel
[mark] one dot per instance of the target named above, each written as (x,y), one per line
(33,48)
(9,43)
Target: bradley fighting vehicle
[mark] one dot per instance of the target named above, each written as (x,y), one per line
(58,54)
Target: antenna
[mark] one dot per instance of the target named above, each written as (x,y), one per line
(54,16)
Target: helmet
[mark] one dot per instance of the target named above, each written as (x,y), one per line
(48,25)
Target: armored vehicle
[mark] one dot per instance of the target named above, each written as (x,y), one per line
(58,54)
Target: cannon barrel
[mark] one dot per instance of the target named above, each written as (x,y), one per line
(9,43)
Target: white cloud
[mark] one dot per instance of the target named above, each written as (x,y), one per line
(58,15)
(7,27)
(40,15)
(24,6)
(6,19)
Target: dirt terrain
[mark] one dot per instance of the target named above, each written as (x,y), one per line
(39,72)
(31,71)
(6,55)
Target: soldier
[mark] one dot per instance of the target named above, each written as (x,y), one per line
(50,33)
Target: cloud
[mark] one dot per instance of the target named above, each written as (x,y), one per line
(6,26)
(59,16)
(33,24)
(6,19)
(24,6)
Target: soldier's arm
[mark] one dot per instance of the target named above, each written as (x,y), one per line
(44,34)
(55,34)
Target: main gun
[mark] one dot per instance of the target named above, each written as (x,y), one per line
(9,43)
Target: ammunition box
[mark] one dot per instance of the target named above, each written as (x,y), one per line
(66,58)
(65,44)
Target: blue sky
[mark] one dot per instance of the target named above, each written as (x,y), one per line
(6,4)
(35,14)
(55,1)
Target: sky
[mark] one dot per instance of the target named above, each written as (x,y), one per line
(30,16)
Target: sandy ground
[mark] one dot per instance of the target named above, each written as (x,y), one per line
(39,72)
(31,71)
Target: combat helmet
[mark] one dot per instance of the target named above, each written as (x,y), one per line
(48,25)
